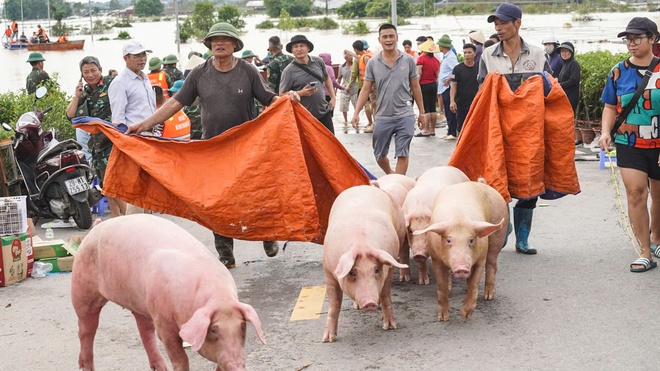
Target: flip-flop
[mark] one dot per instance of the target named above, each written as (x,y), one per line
(655,250)
(646,264)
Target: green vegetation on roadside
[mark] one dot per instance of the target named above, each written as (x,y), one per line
(204,16)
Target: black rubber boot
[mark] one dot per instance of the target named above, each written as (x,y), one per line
(225,247)
(271,248)
(522,221)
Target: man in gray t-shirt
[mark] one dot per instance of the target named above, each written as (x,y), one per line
(226,87)
(395,75)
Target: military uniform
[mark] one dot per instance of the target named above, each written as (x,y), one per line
(35,78)
(96,103)
(174,73)
(194,113)
(275,68)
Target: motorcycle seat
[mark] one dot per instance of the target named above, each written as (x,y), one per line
(55,146)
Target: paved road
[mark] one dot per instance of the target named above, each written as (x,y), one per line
(572,306)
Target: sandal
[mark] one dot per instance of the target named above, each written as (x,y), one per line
(646,264)
(655,250)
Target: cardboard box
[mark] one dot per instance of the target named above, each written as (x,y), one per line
(64,264)
(71,246)
(14,258)
(44,249)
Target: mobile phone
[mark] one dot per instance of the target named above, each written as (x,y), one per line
(313,84)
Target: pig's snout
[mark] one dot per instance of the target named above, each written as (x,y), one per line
(420,258)
(462,271)
(369,307)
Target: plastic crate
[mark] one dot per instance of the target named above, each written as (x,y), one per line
(13,215)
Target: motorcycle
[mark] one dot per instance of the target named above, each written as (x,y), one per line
(55,175)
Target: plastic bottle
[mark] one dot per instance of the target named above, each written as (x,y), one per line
(49,233)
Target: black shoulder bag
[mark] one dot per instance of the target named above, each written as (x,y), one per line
(620,118)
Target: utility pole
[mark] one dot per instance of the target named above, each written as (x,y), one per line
(394,17)
(91,25)
(176,19)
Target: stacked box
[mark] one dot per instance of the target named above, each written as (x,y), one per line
(13,215)
(16,258)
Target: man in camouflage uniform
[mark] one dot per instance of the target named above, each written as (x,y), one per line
(38,75)
(276,64)
(170,69)
(91,99)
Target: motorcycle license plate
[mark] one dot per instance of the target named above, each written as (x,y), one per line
(75,186)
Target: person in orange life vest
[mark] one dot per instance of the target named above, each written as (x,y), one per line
(8,33)
(14,30)
(158,77)
(62,38)
(177,126)
(42,35)
(407,47)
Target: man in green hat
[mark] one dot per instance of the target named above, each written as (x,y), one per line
(225,79)
(169,66)
(251,58)
(38,75)
(449,61)
(158,77)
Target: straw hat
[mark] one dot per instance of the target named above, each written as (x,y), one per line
(428,47)
(193,62)
(477,36)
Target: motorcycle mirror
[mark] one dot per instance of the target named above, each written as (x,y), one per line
(6,126)
(41,92)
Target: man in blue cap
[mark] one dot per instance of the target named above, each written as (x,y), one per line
(517,61)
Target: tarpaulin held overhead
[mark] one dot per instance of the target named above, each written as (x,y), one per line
(273,178)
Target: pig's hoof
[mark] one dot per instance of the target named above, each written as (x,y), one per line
(467,312)
(329,337)
(443,317)
(389,324)
(404,275)
(424,280)
(489,295)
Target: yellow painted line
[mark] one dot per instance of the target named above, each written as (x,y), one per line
(309,304)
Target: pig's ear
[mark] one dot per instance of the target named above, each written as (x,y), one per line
(194,331)
(345,264)
(375,183)
(439,228)
(387,259)
(408,218)
(484,229)
(250,315)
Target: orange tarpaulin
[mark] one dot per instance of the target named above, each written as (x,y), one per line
(520,142)
(273,178)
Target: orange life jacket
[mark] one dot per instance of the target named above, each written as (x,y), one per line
(14,27)
(362,65)
(8,32)
(160,79)
(177,126)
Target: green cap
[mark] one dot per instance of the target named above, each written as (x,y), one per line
(223,29)
(445,41)
(35,57)
(170,59)
(155,63)
(247,54)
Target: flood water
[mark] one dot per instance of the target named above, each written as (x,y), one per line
(159,36)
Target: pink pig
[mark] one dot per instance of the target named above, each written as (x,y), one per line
(172,284)
(417,209)
(467,235)
(365,233)
(396,185)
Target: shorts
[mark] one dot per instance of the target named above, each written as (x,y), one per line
(401,128)
(346,98)
(428,96)
(642,159)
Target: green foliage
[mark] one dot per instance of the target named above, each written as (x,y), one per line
(15,104)
(104,38)
(60,10)
(60,28)
(424,8)
(122,23)
(147,8)
(353,9)
(186,30)
(266,25)
(595,67)
(285,22)
(230,14)
(326,23)
(100,27)
(383,8)
(203,18)
(295,8)
(114,5)
(123,35)
(357,28)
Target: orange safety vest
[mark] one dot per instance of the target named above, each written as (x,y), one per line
(14,27)
(177,126)
(160,79)
(8,32)
(362,65)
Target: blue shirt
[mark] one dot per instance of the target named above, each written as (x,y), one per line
(446,69)
(131,97)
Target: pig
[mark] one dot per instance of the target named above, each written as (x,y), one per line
(396,185)
(466,233)
(417,209)
(365,232)
(171,283)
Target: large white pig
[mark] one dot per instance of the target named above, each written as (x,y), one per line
(171,283)
(466,234)
(396,185)
(417,209)
(365,233)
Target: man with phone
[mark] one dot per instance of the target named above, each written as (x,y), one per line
(304,75)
